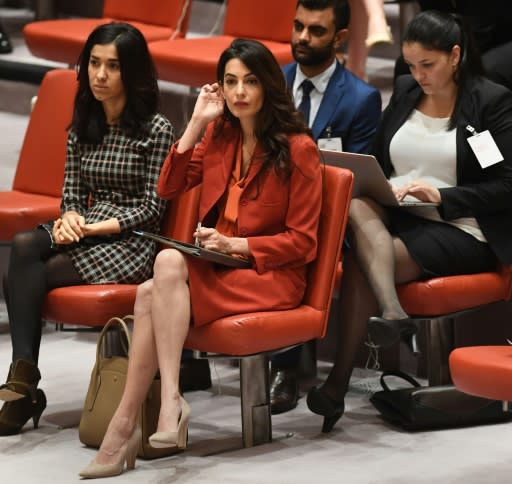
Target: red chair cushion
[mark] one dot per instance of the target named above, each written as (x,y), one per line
(89,305)
(165,13)
(62,40)
(246,334)
(21,211)
(485,371)
(194,61)
(446,295)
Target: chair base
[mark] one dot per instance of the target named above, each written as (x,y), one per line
(440,335)
(255,400)
(254,396)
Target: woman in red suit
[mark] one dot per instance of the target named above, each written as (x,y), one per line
(260,200)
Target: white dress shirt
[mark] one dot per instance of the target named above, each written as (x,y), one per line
(320,82)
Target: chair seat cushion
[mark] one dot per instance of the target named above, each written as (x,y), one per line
(246,334)
(21,211)
(194,61)
(485,371)
(446,295)
(89,305)
(62,40)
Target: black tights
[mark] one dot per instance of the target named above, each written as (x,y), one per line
(34,269)
(371,270)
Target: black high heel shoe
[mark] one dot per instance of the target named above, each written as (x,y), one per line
(321,404)
(408,336)
(386,332)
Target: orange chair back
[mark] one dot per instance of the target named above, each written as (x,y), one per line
(264,19)
(167,13)
(40,167)
(335,205)
(181,217)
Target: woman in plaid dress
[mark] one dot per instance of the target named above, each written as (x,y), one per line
(116,146)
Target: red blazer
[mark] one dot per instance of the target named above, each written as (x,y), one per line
(279,219)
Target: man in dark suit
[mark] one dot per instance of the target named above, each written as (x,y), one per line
(342,111)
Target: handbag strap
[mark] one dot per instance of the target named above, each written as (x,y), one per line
(111,322)
(398,374)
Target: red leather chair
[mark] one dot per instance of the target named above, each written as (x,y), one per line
(95,304)
(36,191)
(251,337)
(484,371)
(61,40)
(439,300)
(193,61)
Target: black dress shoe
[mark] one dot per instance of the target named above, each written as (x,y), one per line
(195,375)
(322,404)
(284,390)
(386,332)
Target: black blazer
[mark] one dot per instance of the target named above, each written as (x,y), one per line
(485,194)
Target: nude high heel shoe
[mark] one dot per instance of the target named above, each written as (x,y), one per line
(177,438)
(94,470)
(385,37)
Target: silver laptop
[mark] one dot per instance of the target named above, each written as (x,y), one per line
(369,179)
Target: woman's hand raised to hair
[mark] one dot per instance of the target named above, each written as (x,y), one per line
(209,103)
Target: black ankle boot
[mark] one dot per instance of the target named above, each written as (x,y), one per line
(22,380)
(14,415)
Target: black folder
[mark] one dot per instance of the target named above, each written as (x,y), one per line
(195,251)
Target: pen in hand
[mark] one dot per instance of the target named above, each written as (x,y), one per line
(198,242)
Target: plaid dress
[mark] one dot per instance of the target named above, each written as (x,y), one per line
(116,178)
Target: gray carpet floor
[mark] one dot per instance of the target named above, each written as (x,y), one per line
(361,449)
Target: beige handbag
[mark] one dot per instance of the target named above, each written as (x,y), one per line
(104,394)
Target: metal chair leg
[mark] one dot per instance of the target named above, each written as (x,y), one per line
(440,338)
(255,400)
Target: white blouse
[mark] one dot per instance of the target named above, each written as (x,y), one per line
(423,148)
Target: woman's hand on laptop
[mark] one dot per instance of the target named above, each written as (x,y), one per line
(420,190)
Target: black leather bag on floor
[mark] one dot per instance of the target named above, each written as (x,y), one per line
(437,407)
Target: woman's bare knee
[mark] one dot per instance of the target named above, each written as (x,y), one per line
(170,268)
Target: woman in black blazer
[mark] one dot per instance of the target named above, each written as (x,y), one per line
(424,144)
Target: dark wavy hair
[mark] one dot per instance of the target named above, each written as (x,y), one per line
(278,116)
(138,75)
(435,30)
